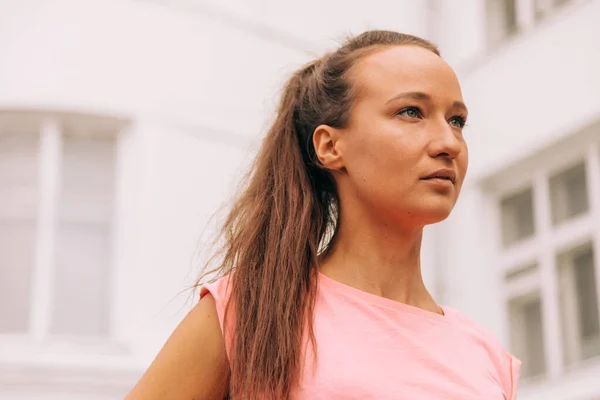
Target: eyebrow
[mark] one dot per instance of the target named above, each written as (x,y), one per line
(425,96)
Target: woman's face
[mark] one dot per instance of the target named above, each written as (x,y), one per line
(403,154)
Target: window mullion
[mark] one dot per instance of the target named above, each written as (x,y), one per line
(549,284)
(49,184)
(116,271)
(593,184)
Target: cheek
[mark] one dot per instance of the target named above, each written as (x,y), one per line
(463,161)
(386,162)
(399,155)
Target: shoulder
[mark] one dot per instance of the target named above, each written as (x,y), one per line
(477,333)
(218,294)
(220,291)
(469,326)
(506,364)
(193,361)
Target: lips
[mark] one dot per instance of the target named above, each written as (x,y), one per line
(446,174)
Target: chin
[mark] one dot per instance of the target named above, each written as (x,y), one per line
(431,215)
(435,217)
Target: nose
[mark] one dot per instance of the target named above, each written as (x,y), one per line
(445,141)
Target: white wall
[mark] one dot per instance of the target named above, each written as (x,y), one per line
(133,57)
(538,88)
(459,29)
(323,22)
(198,80)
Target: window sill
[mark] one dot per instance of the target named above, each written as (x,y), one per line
(69,381)
(24,347)
(67,366)
(582,374)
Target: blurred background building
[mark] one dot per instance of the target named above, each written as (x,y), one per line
(125,124)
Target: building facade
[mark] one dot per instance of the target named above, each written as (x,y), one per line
(521,252)
(125,124)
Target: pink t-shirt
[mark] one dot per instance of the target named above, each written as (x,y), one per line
(370,347)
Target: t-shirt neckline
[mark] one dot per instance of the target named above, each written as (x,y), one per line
(380,301)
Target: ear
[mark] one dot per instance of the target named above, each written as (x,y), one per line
(325,141)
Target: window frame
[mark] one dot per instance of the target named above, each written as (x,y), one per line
(548,240)
(527,18)
(52,126)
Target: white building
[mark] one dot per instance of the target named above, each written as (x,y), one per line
(521,253)
(124,124)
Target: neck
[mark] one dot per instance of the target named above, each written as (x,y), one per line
(379,259)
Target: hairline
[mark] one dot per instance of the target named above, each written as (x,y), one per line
(351,74)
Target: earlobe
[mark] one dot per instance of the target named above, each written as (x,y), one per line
(327,149)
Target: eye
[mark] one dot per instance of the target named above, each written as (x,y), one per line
(410,112)
(458,121)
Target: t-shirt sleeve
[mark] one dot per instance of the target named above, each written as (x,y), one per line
(515,369)
(507,366)
(220,291)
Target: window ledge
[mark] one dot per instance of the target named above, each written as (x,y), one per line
(21,347)
(583,374)
(73,366)
(100,380)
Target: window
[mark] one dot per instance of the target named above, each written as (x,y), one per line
(579,304)
(18,208)
(550,240)
(501,20)
(57,183)
(525,319)
(506,18)
(569,194)
(83,236)
(517,217)
(526,334)
(544,8)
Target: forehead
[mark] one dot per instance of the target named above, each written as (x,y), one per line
(397,69)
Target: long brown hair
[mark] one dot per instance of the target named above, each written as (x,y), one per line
(283,220)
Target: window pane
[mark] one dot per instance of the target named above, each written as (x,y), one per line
(542,8)
(87,179)
(19,154)
(579,304)
(81,299)
(526,334)
(501,20)
(568,194)
(18,203)
(81,293)
(510,16)
(517,217)
(16,261)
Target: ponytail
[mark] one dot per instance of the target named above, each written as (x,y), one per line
(273,233)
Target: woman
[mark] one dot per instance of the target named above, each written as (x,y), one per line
(321,295)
